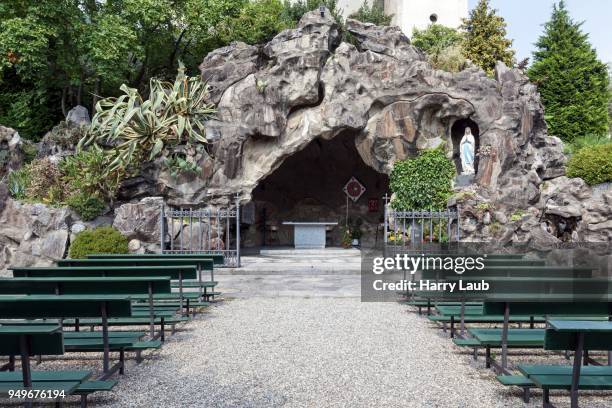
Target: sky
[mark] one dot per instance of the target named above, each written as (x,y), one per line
(525,19)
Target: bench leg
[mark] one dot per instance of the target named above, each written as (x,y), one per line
(122,362)
(585,358)
(475,354)
(11,363)
(452,327)
(162,328)
(84,401)
(526,395)
(545,398)
(138,356)
(488,357)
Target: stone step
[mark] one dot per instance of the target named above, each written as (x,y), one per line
(319,253)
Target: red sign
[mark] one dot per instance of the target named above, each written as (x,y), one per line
(373,205)
(354,189)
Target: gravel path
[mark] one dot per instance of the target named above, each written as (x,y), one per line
(311,352)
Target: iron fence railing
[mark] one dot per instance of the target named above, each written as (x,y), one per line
(202,231)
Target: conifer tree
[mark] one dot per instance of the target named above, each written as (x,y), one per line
(573,83)
(485,40)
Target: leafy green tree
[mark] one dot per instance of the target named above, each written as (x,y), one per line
(435,38)
(258,22)
(374,14)
(442,45)
(485,40)
(573,83)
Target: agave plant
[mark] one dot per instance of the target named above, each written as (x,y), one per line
(139,129)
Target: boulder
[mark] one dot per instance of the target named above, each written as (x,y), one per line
(78,116)
(33,234)
(140,220)
(11,153)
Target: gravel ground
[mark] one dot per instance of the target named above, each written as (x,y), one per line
(312,352)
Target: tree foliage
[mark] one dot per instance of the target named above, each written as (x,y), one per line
(374,14)
(442,45)
(485,40)
(424,182)
(573,83)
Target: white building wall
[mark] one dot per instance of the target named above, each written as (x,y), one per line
(408,14)
(417,13)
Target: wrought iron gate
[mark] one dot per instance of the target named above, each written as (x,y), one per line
(202,231)
(408,231)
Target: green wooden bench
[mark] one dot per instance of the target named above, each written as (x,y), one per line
(96,285)
(27,341)
(579,336)
(174,272)
(73,306)
(557,304)
(202,264)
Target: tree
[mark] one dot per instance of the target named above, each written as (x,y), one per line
(485,40)
(294,10)
(442,45)
(374,14)
(573,83)
(258,22)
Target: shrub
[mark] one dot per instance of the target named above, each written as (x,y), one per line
(585,141)
(593,164)
(44,183)
(87,206)
(450,59)
(18,182)
(100,240)
(29,151)
(424,182)
(87,171)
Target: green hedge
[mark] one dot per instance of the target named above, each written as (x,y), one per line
(424,182)
(100,240)
(593,164)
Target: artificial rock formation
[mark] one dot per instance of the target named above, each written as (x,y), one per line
(306,84)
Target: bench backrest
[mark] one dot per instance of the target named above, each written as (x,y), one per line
(511,271)
(217,258)
(555,340)
(41,344)
(202,263)
(93,285)
(187,272)
(33,307)
(568,308)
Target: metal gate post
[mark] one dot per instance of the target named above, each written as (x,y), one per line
(238,230)
(161,228)
(385,218)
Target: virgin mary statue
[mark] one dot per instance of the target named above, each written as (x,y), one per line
(466,149)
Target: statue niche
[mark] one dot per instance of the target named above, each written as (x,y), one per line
(464,135)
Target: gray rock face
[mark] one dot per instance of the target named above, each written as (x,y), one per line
(33,234)
(140,220)
(11,155)
(77,116)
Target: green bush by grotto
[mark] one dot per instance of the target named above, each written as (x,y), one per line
(105,240)
(593,164)
(423,182)
(87,206)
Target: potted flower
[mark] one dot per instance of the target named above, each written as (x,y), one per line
(346,238)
